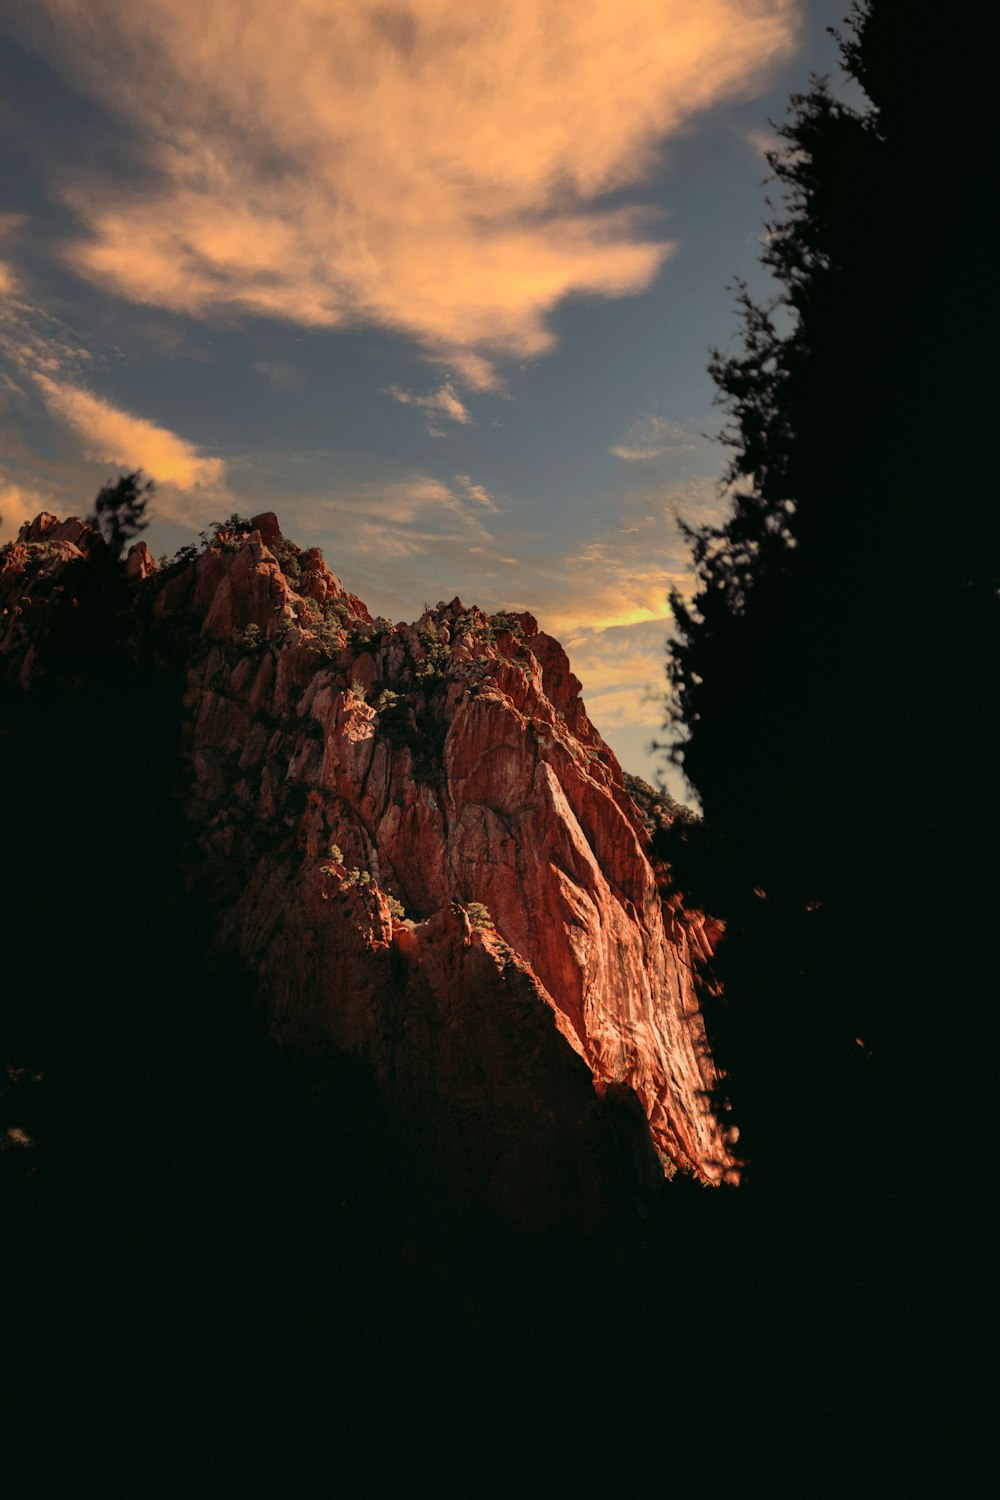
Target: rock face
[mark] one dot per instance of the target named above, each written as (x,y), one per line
(421,844)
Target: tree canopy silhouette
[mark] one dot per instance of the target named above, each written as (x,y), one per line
(835,675)
(120,509)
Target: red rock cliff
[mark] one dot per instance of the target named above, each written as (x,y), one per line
(427,852)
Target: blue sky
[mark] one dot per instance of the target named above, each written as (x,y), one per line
(435,281)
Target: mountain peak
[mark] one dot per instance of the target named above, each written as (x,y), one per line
(418,840)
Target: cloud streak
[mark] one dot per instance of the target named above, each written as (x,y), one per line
(114,436)
(653,437)
(623,576)
(434,168)
(477,492)
(444,403)
(415,513)
(623,677)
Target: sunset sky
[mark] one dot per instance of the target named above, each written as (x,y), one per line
(435,280)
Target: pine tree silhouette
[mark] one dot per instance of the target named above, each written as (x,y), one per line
(835,677)
(120,509)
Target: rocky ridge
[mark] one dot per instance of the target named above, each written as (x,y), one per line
(420,843)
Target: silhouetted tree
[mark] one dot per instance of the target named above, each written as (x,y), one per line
(835,676)
(120,509)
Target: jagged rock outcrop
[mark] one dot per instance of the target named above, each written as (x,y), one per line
(430,857)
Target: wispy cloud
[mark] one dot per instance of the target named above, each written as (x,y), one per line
(764,142)
(474,371)
(477,492)
(442,403)
(624,576)
(33,341)
(607,592)
(281,376)
(607,598)
(622,671)
(652,437)
(47,365)
(113,436)
(426,166)
(416,513)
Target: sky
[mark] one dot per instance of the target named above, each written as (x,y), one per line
(436,281)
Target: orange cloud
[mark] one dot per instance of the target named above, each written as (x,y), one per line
(441,403)
(622,671)
(603,590)
(19,503)
(477,492)
(116,437)
(625,575)
(429,166)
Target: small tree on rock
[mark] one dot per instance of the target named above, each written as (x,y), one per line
(120,510)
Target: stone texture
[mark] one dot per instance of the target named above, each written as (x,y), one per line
(139,564)
(545,1059)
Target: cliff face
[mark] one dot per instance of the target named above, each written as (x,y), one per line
(422,846)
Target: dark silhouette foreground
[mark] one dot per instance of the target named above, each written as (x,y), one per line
(836,698)
(219,1269)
